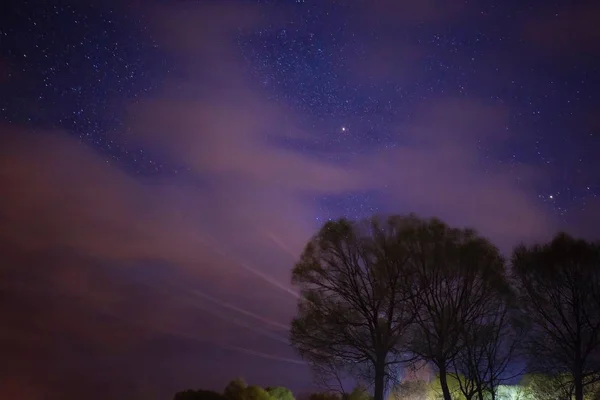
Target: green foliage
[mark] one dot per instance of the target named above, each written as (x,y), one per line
(412,390)
(280,393)
(235,389)
(255,393)
(358,393)
(546,387)
(324,396)
(436,391)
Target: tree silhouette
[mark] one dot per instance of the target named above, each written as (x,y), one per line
(235,389)
(488,349)
(412,390)
(324,396)
(459,274)
(559,283)
(198,395)
(355,307)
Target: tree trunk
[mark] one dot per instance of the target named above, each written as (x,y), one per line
(379,379)
(578,380)
(444,381)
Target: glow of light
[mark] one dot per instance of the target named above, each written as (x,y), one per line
(343,129)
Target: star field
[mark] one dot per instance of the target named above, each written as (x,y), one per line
(73,66)
(308,63)
(166,162)
(81,62)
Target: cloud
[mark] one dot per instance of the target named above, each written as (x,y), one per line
(440,169)
(104,246)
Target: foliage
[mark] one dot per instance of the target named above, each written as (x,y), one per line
(255,393)
(437,391)
(324,396)
(358,393)
(412,390)
(546,387)
(235,389)
(513,392)
(280,393)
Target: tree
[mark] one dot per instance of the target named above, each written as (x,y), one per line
(412,390)
(253,392)
(354,311)
(459,274)
(513,392)
(324,396)
(545,387)
(198,395)
(436,391)
(358,393)
(235,389)
(559,283)
(488,349)
(280,393)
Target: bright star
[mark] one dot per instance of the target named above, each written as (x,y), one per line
(343,129)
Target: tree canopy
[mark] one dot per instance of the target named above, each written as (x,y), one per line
(355,309)
(385,294)
(379,292)
(559,285)
(460,279)
(280,393)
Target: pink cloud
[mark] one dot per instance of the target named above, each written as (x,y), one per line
(441,171)
(247,206)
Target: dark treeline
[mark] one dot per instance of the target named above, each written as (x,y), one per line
(384,295)
(239,390)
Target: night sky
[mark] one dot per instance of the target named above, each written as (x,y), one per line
(163,163)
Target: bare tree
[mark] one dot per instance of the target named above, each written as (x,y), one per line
(355,309)
(489,347)
(412,390)
(559,283)
(330,375)
(458,274)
